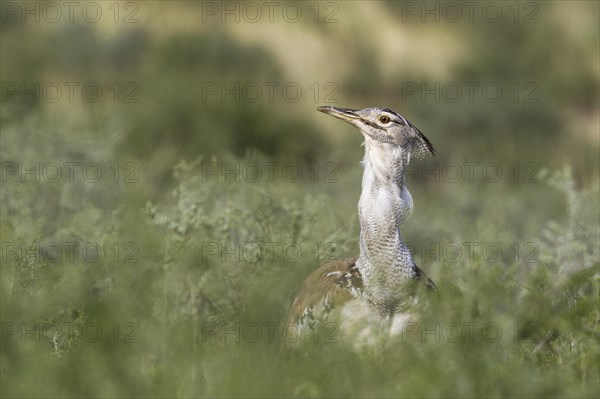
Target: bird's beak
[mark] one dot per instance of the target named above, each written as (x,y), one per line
(345,114)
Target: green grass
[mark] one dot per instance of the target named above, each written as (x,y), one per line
(183,319)
(196,272)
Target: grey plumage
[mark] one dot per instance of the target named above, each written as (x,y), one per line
(385,262)
(384,275)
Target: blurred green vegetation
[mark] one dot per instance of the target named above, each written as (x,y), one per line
(159,289)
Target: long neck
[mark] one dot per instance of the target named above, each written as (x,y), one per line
(385,262)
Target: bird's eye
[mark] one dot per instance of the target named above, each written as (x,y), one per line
(384,119)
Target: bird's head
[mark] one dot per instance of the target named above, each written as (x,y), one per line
(384,126)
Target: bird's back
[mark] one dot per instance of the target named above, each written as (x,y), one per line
(328,287)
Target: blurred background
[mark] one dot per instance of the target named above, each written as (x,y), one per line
(167,185)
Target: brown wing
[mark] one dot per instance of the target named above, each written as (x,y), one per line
(332,286)
(332,283)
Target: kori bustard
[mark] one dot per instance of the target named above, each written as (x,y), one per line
(383,281)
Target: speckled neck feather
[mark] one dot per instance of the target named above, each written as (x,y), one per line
(385,262)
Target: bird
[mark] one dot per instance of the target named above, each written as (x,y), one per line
(370,292)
